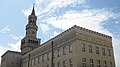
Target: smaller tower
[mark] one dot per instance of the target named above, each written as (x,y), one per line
(30,42)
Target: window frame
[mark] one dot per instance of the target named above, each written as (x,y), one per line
(98,63)
(70,48)
(97,50)
(71,62)
(103,51)
(64,53)
(83,47)
(90,49)
(91,63)
(83,62)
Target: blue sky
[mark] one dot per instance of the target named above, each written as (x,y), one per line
(55,16)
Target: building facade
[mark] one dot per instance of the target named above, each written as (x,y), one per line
(75,47)
(11,59)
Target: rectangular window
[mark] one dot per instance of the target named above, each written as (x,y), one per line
(109,52)
(71,63)
(105,63)
(91,63)
(47,56)
(83,47)
(58,64)
(64,51)
(43,58)
(34,61)
(83,62)
(53,65)
(110,64)
(64,63)
(103,51)
(58,52)
(31,63)
(90,49)
(38,59)
(47,65)
(70,48)
(97,50)
(98,63)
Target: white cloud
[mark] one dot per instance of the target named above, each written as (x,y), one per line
(15,46)
(117,60)
(91,19)
(62,3)
(48,6)
(55,34)
(44,27)
(15,37)
(117,22)
(116,42)
(5,29)
(116,47)
(38,1)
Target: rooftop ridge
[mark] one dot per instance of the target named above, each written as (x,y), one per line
(12,52)
(80,28)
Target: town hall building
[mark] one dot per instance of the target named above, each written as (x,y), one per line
(75,47)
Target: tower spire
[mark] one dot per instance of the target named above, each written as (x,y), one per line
(33,10)
(30,41)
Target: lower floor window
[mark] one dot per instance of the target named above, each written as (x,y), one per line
(83,62)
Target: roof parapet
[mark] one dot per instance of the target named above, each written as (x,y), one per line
(80,28)
(92,32)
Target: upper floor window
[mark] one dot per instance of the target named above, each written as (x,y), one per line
(109,52)
(64,51)
(38,59)
(34,61)
(58,52)
(43,58)
(47,56)
(90,49)
(31,63)
(83,47)
(71,63)
(70,48)
(103,51)
(91,63)
(83,62)
(97,50)
(98,63)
